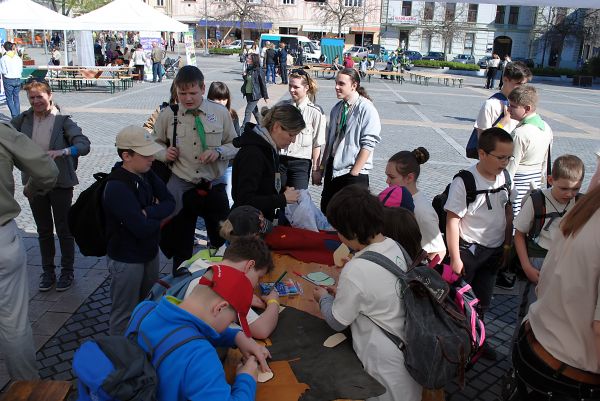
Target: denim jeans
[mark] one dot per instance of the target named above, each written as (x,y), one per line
(251,108)
(271,72)
(156,72)
(12,86)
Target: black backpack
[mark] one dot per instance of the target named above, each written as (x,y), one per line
(471,189)
(86,216)
(438,345)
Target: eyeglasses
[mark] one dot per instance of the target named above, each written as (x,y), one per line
(299,71)
(502,158)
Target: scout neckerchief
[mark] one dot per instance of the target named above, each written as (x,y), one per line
(199,127)
(534,120)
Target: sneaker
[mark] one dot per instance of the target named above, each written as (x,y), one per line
(47,281)
(506,280)
(65,282)
(487,352)
(508,386)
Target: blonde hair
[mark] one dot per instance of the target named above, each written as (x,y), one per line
(308,81)
(569,167)
(524,95)
(288,116)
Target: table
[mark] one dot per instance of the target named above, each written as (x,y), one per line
(76,77)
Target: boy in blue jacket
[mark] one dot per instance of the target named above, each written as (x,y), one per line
(193,371)
(135,202)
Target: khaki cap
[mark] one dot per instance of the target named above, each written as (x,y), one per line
(137,139)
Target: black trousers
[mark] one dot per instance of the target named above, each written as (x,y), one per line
(212,206)
(332,185)
(283,72)
(295,172)
(538,381)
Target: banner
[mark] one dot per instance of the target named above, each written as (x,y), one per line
(146,40)
(190,51)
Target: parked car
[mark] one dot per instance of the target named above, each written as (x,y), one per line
(528,61)
(413,55)
(483,62)
(317,44)
(237,44)
(435,56)
(464,59)
(383,53)
(358,51)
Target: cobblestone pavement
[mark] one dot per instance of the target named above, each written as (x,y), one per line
(436,117)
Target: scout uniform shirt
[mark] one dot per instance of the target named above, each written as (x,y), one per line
(313,136)
(215,121)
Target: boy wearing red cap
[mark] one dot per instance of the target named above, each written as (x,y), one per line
(193,371)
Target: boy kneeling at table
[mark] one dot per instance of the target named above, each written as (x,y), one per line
(367,294)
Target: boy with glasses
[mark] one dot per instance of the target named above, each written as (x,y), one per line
(479,222)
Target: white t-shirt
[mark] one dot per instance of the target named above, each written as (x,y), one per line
(524,220)
(431,237)
(531,149)
(489,113)
(203,264)
(365,288)
(478,224)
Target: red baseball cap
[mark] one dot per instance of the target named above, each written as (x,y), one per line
(234,287)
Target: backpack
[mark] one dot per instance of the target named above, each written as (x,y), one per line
(174,285)
(472,144)
(116,368)
(86,216)
(439,341)
(439,201)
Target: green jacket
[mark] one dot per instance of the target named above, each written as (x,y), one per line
(17,150)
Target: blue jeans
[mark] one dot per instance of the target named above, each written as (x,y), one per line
(12,86)
(156,72)
(271,72)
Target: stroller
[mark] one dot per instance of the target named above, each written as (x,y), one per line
(171,66)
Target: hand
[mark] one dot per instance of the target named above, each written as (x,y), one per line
(209,156)
(249,366)
(317,177)
(506,119)
(354,174)
(532,273)
(248,347)
(457,266)
(272,295)
(319,292)
(55,153)
(27,192)
(172,154)
(267,101)
(257,302)
(331,290)
(291,195)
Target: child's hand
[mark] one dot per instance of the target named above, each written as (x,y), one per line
(257,302)
(249,366)
(319,292)
(532,273)
(331,290)
(172,154)
(272,295)
(506,119)
(457,266)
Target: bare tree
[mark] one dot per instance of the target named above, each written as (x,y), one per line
(450,26)
(80,6)
(344,12)
(257,11)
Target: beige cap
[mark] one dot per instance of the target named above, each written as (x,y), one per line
(137,139)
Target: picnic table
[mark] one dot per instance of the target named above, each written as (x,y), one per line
(68,78)
(425,77)
(394,75)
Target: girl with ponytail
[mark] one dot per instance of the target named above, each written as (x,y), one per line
(354,131)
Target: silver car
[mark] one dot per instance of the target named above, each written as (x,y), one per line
(464,59)
(358,51)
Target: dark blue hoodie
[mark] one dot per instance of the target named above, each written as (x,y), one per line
(132,236)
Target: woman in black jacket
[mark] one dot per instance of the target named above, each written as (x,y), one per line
(256,180)
(254,87)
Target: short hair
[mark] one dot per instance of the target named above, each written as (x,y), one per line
(8,46)
(38,84)
(287,115)
(356,214)
(569,167)
(517,71)
(524,95)
(401,225)
(407,162)
(490,137)
(250,247)
(188,75)
(128,151)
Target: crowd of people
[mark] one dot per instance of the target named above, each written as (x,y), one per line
(240,178)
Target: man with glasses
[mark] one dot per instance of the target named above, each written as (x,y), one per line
(479,218)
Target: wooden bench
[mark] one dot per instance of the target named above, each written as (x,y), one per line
(395,75)
(38,391)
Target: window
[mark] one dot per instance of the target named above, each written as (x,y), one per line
(469,42)
(428,10)
(160,3)
(353,3)
(450,11)
(407,8)
(513,16)
(426,42)
(500,11)
(289,2)
(472,15)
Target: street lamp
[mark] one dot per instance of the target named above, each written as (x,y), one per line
(362,42)
(205,28)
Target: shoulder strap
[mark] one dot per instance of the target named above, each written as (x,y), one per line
(175,110)
(384,262)
(539,213)
(507,181)
(549,166)
(136,318)
(500,96)
(175,339)
(470,186)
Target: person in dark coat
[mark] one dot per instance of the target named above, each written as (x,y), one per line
(253,88)
(282,60)
(256,180)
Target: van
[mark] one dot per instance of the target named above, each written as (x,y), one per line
(310,52)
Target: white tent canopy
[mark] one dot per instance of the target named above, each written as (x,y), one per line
(128,15)
(557,3)
(25,14)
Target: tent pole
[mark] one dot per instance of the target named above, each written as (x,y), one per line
(66,48)
(45,43)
